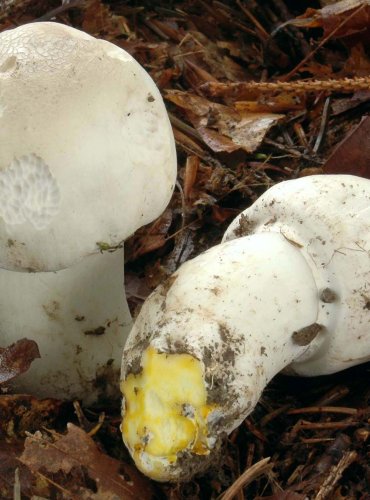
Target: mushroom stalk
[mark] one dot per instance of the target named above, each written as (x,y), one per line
(219,324)
(80,319)
(286,290)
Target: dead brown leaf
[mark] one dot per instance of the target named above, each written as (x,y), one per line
(186,143)
(9,463)
(203,60)
(17,358)
(136,287)
(189,102)
(217,142)
(220,64)
(221,127)
(331,16)
(352,155)
(98,19)
(95,475)
(149,238)
(358,62)
(222,214)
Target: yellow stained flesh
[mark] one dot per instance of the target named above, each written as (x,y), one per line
(166,410)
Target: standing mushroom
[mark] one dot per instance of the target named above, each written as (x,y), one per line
(86,157)
(289,288)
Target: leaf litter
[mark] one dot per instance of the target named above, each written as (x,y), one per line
(257,93)
(17,358)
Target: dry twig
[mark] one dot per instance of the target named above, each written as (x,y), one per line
(335,474)
(247,477)
(332,85)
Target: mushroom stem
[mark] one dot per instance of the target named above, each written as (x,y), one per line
(287,289)
(241,319)
(80,320)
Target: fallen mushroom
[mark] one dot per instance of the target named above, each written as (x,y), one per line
(288,288)
(87,156)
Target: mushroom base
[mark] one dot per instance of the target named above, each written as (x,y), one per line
(166,412)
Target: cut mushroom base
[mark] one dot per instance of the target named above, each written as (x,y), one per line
(87,157)
(288,289)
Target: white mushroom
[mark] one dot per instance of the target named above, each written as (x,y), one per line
(289,288)
(87,156)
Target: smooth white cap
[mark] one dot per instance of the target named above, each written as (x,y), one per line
(87,153)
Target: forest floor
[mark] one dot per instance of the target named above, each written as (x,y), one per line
(302,109)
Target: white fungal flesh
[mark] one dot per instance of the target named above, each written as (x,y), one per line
(328,217)
(87,157)
(288,288)
(79,326)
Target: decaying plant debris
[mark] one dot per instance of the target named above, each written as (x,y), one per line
(234,140)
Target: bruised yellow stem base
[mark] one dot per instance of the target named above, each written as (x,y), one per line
(165,411)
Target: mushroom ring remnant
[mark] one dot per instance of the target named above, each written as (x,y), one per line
(287,289)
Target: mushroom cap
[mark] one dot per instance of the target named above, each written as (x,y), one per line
(87,153)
